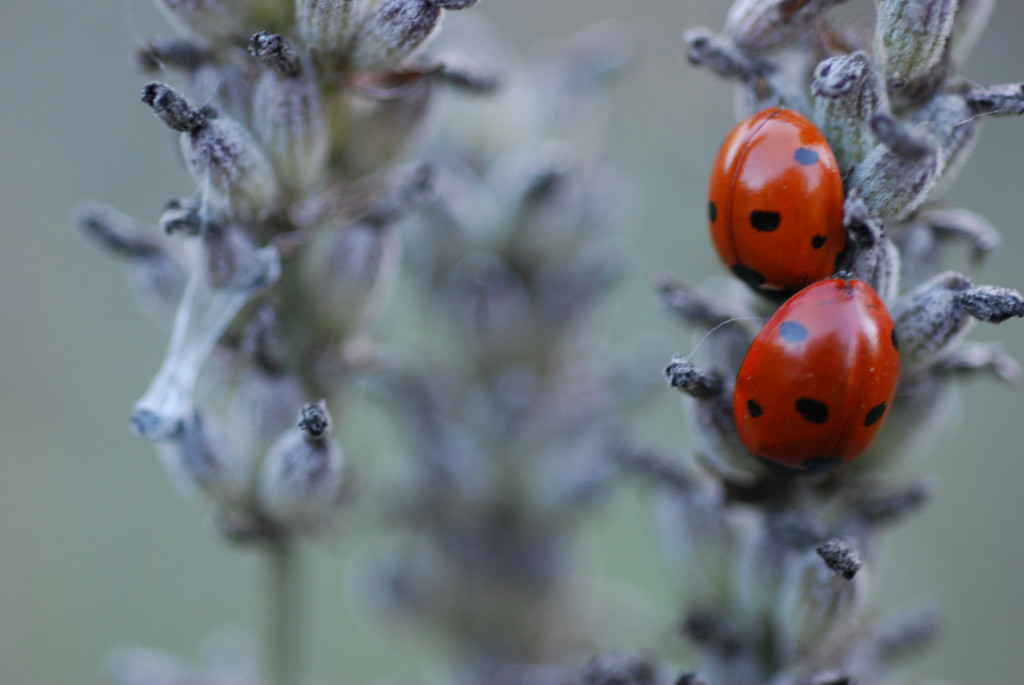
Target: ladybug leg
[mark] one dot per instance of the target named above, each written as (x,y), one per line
(869,254)
(932,320)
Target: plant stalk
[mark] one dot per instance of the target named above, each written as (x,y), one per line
(283,589)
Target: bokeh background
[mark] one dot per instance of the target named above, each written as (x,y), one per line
(96,547)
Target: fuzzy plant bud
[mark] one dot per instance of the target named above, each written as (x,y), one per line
(869,256)
(222,156)
(200,458)
(912,35)
(721,55)
(950,118)
(898,173)
(228,21)
(288,118)
(300,481)
(181,217)
(329,25)
(847,94)
(932,320)
(230,272)
(372,131)
(264,400)
(819,599)
(156,278)
(619,668)
(701,535)
(393,31)
(1003,99)
(349,274)
(766,25)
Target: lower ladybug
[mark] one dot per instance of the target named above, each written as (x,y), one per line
(818,380)
(775,203)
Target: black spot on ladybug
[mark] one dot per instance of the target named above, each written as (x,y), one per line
(819,464)
(895,340)
(875,414)
(712,211)
(764,221)
(791,331)
(805,156)
(748,275)
(754,408)
(812,410)
(818,241)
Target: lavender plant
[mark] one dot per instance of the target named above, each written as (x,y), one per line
(775,565)
(272,274)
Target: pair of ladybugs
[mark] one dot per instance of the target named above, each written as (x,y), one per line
(817,381)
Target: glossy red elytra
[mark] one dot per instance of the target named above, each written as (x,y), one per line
(818,380)
(775,203)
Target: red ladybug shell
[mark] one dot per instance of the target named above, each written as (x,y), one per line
(818,380)
(776,202)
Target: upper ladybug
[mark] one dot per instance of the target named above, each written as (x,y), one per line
(818,380)
(776,203)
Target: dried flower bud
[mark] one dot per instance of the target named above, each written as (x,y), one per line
(951,120)
(691,379)
(330,25)
(620,668)
(706,48)
(1003,99)
(349,274)
(210,303)
(897,175)
(818,600)
(933,319)
(847,94)
(869,256)
(392,32)
(913,35)
(221,154)
(288,117)
(301,477)
(155,277)
(765,25)
(373,131)
(701,537)
(199,457)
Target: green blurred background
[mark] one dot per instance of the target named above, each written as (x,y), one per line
(97,548)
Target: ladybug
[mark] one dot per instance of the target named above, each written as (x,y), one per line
(775,204)
(818,380)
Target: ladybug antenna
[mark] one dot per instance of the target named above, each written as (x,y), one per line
(724,323)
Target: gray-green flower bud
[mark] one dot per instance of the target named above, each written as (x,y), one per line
(199,457)
(329,25)
(932,320)
(288,117)
(898,173)
(766,25)
(912,35)
(222,156)
(392,32)
(819,600)
(349,274)
(301,477)
(847,94)
(155,276)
